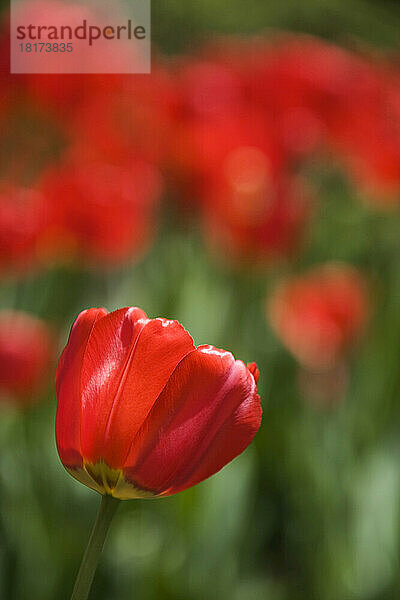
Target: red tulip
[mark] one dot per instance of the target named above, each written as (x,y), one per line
(102,212)
(25,354)
(320,315)
(142,412)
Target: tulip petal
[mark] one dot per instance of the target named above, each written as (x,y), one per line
(68,380)
(128,362)
(207,414)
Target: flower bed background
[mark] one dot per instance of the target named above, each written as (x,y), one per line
(249,188)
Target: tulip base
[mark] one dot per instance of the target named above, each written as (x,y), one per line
(106,480)
(94,548)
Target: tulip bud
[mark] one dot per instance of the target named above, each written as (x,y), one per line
(142,412)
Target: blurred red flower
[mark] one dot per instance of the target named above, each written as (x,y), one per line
(300,81)
(214,119)
(209,88)
(23,220)
(203,148)
(25,355)
(313,95)
(365,134)
(252,217)
(142,412)
(102,212)
(319,315)
(136,119)
(227,158)
(295,81)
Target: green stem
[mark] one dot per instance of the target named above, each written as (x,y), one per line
(95,545)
